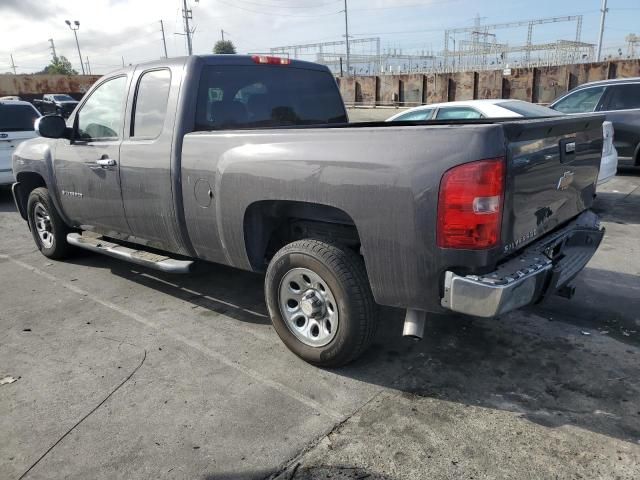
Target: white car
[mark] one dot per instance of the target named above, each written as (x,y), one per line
(17,120)
(506,109)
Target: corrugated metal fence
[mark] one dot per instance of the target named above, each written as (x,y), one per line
(538,85)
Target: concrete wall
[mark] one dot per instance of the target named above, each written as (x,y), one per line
(540,85)
(29,87)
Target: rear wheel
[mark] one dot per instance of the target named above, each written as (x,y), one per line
(320,302)
(48,230)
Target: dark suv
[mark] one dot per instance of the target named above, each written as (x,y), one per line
(56,104)
(620,100)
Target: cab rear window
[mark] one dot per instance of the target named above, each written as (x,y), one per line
(264,96)
(17,118)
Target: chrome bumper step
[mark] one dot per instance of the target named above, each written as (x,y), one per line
(139,257)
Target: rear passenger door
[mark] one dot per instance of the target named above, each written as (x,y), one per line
(146,158)
(622,107)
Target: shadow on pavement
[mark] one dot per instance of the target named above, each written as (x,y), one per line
(537,362)
(621,208)
(298,472)
(6,200)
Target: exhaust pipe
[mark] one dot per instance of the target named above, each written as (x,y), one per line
(414,324)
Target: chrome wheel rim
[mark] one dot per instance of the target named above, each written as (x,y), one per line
(308,307)
(43,225)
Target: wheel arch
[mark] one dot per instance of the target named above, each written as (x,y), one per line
(26,182)
(270,224)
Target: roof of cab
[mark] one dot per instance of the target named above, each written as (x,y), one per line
(218,60)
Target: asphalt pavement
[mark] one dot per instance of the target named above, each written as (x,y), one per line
(110,371)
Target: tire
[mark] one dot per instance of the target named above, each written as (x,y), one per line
(48,230)
(334,302)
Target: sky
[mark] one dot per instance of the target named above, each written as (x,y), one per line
(115,30)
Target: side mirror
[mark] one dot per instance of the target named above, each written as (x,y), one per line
(51,126)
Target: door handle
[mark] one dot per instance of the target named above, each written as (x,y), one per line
(106,162)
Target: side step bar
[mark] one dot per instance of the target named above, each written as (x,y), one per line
(139,257)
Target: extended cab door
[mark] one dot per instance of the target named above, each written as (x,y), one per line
(87,168)
(146,169)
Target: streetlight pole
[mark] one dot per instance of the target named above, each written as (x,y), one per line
(75,26)
(346,38)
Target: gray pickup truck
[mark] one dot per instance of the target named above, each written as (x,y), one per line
(250,161)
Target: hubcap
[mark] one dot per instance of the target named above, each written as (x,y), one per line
(308,307)
(43,225)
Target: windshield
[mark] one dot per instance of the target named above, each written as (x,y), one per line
(527,109)
(17,118)
(64,98)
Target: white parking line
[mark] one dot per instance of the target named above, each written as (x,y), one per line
(309,402)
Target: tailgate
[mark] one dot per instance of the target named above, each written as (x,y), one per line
(552,170)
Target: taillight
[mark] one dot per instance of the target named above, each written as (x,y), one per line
(470,205)
(266,60)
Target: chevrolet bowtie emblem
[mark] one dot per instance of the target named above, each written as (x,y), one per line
(565,180)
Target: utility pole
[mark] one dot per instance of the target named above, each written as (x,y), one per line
(76,24)
(164,41)
(603,16)
(123,62)
(13,65)
(88,66)
(53,50)
(346,37)
(187,15)
(222,33)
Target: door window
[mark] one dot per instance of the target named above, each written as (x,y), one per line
(582,101)
(100,117)
(151,104)
(416,116)
(457,113)
(624,97)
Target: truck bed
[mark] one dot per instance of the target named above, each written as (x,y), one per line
(385,178)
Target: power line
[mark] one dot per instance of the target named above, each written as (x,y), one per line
(187,14)
(319,5)
(603,17)
(346,37)
(53,50)
(276,14)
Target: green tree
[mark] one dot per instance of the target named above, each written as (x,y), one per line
(224,47)
(59,66)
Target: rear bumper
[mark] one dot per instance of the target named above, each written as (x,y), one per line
(540,270)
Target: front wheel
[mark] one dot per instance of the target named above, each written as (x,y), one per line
(320,302)
(48,229)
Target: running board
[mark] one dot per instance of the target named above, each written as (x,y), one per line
(139,257)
